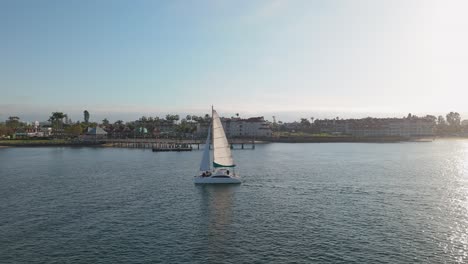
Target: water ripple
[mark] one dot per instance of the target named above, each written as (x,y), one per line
(299,203)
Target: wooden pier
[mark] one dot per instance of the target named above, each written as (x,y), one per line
(163,145)
(171,149)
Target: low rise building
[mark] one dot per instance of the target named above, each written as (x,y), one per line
(202,130)
(94,133)
(238,127)
(464,128)
(250,127)
(377,127)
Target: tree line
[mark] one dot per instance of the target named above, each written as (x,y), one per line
(62,126)
(450,124)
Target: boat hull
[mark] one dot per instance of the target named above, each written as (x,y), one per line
(216,180)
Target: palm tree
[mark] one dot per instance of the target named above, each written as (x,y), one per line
(86,116)
(207,118)
(57,121)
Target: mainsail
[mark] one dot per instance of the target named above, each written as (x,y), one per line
(222,156)
(205,162)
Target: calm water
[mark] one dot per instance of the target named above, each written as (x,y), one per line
(299,203)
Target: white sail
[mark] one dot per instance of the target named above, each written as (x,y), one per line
(222,156)
(205,162)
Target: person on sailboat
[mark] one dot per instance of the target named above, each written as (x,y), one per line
(222,156)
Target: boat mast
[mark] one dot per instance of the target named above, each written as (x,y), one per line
(212,126)
(212,131)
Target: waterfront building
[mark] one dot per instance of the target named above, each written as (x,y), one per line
(250,127)
(464,128)
(165,126)
(293,127)
(94,133)
(31,132)
(254,127)
(202,130)
(378,127)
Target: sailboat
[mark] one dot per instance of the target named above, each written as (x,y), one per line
(223,165)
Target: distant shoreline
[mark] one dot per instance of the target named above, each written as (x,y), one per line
(41,144)
(321,139)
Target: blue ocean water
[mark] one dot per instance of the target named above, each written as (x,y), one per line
(299,203)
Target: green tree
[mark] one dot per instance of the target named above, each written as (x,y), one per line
(118,128)
(172,118)
(86,116)
(13,122)
(185,127)
(305,122)
(105,122)
(454,120)
(207,119)
(56,119)
(196,118)
(5,130)
(432,118)
(156,120)
(74,130)
(441,121)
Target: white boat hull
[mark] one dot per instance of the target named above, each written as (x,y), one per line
(222,171)
(216,180)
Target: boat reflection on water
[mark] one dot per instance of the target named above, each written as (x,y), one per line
(217,202)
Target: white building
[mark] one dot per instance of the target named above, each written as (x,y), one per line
(377,127)
(464,128)
(250,127)
(405,127)
(254,127)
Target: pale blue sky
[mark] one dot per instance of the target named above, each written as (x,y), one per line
(124,59)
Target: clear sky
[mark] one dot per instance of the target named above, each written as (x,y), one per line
(124,59)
